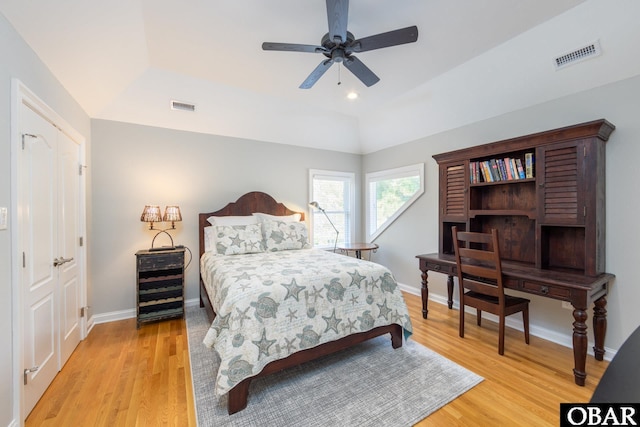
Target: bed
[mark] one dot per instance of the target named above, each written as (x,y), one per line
(275,303)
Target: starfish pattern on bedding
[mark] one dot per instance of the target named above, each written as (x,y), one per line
(293,290)
(356,278)
(384,310)
(264,344)
(242,316)
(332,322)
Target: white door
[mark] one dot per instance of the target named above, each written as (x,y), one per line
(68,244)
(49,205)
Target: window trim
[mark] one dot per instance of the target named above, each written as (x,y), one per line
(343,176)
(400,172)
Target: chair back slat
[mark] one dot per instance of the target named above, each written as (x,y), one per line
(481,287)
(478,255)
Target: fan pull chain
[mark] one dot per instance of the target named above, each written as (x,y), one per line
(339,78)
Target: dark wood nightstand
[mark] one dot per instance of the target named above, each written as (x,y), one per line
(160,285)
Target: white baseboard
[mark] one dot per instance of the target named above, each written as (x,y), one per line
(125,314)
(540,332)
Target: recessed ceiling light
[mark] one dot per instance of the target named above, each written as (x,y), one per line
(352,95)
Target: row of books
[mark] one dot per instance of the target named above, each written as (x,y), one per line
(507,169)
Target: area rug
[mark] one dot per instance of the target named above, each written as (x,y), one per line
(368,385)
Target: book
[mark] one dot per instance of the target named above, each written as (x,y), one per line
(487,171)
(507,166)
(521,173)
(514,169)
(528,161)
(494,170)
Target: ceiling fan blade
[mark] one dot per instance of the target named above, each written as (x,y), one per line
(388,39)
(337,15)
(292,47)
(361,71)
(316,74)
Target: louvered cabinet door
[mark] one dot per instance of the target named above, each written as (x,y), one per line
(560,174)
(453,191)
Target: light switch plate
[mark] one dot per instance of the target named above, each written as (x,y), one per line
(3,218)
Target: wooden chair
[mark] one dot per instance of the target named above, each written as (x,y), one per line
(480,281)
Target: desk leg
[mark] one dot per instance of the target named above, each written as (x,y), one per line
(450,291)
(359,254)
(580,345)
(425,294)
(599,326)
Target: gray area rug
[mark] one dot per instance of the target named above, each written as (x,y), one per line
(370,384)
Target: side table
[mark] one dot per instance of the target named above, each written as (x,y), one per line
(358,248)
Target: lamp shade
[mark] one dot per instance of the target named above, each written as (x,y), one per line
(151,214)
(172,213)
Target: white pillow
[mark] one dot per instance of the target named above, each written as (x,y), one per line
(282,236)
(232,220)
(262,217)
(209,238)
(239,239)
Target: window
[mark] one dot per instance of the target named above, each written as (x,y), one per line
(389,193)
(335,193)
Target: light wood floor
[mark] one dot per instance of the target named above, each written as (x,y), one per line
(121,376)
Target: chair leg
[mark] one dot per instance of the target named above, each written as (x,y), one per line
(478,317)
(525,321)
(501,336)
(461,332)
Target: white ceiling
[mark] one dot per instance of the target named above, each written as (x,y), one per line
(125,60)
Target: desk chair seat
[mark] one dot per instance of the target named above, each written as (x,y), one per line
(480,281)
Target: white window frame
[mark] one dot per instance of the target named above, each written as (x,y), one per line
(383,175)
(350,178)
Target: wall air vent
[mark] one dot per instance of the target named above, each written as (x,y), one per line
(182,106)
(590,51)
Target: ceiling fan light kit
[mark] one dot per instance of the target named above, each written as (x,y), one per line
(338,45)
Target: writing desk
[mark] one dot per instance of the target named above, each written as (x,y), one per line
(579,290)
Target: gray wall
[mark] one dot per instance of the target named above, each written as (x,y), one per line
(19,61)
(136,165)
(416,232)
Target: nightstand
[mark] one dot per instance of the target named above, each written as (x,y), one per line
(160,285)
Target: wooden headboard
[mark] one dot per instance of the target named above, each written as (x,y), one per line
(255,201)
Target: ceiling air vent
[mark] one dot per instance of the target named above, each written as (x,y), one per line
(183,106)
(590,51)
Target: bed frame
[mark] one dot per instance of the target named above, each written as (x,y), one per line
(262,202)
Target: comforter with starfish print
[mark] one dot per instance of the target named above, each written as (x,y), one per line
(270,305)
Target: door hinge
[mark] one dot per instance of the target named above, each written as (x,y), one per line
(81,241)
(80,168)
(24,260)
(584,150)
(82,310)
(30,135)
(584,211)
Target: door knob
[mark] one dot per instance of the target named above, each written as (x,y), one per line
(58,262)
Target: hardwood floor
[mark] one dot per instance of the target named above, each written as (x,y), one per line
(121,376)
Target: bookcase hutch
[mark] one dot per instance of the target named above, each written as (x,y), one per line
(554,220)
(551,221)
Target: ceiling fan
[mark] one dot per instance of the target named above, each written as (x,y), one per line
(339,45)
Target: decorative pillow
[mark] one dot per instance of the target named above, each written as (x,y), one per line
(282,236)
(239,239)
(232,220)
(262,217)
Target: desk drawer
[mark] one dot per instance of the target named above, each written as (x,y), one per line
(545,290)
(440,268)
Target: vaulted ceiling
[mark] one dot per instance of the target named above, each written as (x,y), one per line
(125,60)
